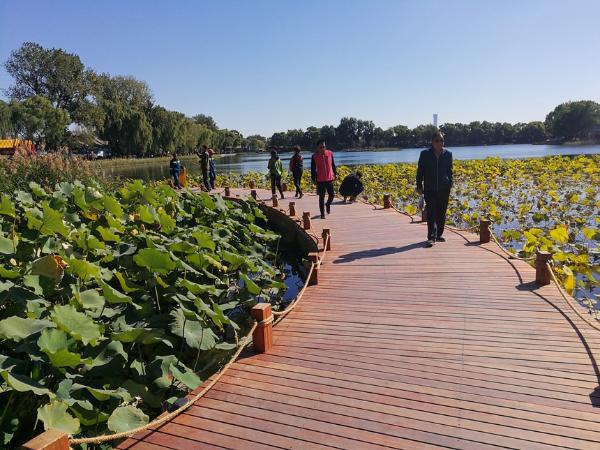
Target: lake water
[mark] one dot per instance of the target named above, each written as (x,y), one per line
(257,162)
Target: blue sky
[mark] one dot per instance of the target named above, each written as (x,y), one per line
(268,65)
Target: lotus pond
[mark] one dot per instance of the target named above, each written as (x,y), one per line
(550,204)
(115,304)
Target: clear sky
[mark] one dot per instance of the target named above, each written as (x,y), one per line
(261,66)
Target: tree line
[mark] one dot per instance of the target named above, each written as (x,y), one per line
(579,120)
(56,101)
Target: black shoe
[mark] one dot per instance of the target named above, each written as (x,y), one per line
(440,239)
(322,216)
(429,243)
(301,195)
(328,208)
(281,196)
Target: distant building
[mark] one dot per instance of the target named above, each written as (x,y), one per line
(435,120)
(9,146)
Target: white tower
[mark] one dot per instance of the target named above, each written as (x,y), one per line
(435,120)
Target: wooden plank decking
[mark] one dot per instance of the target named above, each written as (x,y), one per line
(400,346)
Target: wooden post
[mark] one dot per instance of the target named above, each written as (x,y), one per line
(424,215)
(327,232)
(227,191)
(252,184)
(313,257)
(484,231)
(284,187)
(387,202)
(253,194)
(263,334)
(542,273)
(275,201)
(49,440)
(306,220)
(292,209)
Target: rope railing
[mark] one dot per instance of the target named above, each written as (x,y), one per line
(570,299)
(167,417)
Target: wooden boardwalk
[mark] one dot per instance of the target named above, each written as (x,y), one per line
(400,346)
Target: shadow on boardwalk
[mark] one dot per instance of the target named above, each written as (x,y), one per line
(349,257)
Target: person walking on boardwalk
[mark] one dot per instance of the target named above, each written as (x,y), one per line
(204,167)
(212,173)
(297,167)
(351,186)
(175,169)
(323,173)
(275,167)
(434,180)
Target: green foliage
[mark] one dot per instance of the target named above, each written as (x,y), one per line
(573,120)
(112,303)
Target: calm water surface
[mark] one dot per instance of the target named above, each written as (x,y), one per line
(257,162)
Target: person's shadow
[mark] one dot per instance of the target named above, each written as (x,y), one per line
(349,257)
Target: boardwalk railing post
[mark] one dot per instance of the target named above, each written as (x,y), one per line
(275,202)
(387,202)
(253,194)
(484,231)
(263,334)
(284,187)
(542,272)
(306,220)
(313,257)
(227,191)
(292,209)
(49,440)
(252,184)
(327,232)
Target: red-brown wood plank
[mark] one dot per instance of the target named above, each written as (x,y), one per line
(405,347)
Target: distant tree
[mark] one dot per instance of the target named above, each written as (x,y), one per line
(38,120)
(127,129)
(207,121)
(402,136)
(51,73)
(422,135)
(256,142)
(123,89)
(6,127)
(328,133)
(573,120)
(167,130)
(528,133)
(347,132)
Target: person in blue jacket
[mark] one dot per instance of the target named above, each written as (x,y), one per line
(434,180)
(175,169)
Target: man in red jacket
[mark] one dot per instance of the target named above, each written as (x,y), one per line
(323,173)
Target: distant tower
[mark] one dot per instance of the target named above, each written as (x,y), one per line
(435,120)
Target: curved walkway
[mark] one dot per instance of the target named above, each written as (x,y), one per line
(400,346)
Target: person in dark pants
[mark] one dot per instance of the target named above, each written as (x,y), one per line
(275,167)
(351,186)
(204,167)
(212,173)
(297,167)
(434,180)
(175,169)
(323,173)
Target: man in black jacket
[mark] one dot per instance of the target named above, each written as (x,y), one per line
(434,180)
